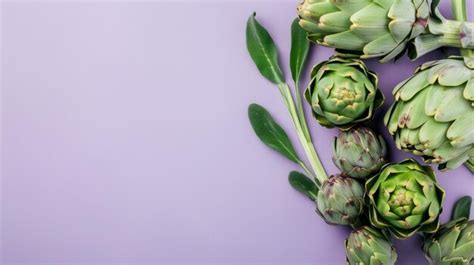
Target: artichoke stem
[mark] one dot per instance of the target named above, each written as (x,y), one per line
(459,10)
(457,34)
(450,33)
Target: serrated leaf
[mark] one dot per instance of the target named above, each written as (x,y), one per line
(299,50)
(270,133)
(303,184)
(462,208)
(263,51)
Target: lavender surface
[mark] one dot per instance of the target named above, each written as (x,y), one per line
(125,138)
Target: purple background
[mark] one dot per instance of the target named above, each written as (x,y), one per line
(125,139)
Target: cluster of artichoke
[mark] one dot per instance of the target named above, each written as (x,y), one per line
(433,112)
(432,116)
(396,198)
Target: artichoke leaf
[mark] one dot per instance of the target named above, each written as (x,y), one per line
(412,87)
(380,46)
(468,92)
(461,131)
(433,134)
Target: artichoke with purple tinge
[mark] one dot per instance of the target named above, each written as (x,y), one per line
(359,152)
(340,200)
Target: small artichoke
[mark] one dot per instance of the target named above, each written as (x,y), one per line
(367,245)
(433,113)
(343,92)
(382,28)
(453,244)
(340,200)
(359,152)
(405,198)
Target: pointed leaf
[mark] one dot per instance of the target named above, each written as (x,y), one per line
(270,133)
(462,208)
(299,50)
(263,51)
(303,184)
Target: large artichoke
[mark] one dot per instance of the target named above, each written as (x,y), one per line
(359,152)
(368,246)
(340,200)
(382,28)
(453,244)
(433,113)
(343,92)
(405,198)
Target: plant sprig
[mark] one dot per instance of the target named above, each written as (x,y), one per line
(264,53)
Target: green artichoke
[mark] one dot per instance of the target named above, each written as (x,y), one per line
(343,92)
(433,113)
(382,28)
(453,244)
(340,200)
(359,152)
(405,198)
(368,246)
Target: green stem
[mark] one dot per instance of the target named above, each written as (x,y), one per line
(308,171)
(305,139)
(460,13)
(299,108)
(458,8)
(313,156)
(288,100)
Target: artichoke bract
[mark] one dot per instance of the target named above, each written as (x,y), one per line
(359,152)
(453,244)
(367,245)
(340,200)
(343,92)
(382,28)
(433,113)
(405,198)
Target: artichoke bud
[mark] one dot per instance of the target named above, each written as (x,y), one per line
(340,200)
(453,244)
(405,198)
(433,113)
(367,245)
(359,152)
(365,29)
(343,92)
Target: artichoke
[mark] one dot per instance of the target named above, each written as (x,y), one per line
(382,28)
(368,246)
(359,152)
(340,200)
(453,244)
(343,92)
(405,198)
(433,113)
